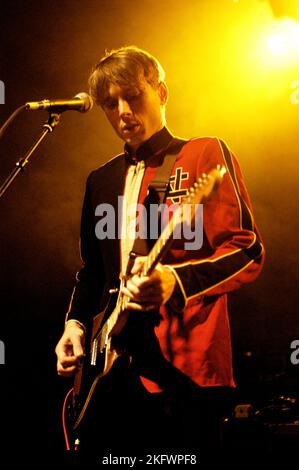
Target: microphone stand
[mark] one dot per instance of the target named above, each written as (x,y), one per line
(49,126)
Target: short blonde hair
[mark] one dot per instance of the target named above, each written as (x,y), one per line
(124,67)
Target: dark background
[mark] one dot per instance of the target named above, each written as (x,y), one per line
(219,85)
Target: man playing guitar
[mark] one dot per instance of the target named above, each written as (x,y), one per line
(177,310)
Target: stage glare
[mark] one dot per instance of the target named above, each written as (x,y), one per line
(276,44)
(285,39)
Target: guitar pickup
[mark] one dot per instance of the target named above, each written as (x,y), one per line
(94,352)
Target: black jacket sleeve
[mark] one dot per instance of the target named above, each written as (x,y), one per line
(90,279)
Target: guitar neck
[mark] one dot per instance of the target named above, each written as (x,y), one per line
(161,246)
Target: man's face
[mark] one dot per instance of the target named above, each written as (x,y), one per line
(135,113)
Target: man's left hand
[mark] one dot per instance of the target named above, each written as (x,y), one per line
(149,292)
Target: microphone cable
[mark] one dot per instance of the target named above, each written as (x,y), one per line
(10,119)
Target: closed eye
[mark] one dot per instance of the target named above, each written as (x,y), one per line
(133,97)
(110,104)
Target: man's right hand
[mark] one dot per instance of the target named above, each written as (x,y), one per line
(70,349)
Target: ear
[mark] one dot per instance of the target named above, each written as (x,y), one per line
(163,93)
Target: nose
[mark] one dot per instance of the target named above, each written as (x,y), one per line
(124,107)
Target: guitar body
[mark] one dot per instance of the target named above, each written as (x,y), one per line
(100,356)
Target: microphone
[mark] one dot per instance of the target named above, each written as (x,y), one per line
(82,102)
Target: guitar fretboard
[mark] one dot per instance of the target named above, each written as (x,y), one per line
(161,244)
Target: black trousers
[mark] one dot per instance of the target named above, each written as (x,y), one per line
(125,419)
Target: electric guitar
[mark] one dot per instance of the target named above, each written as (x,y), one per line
(101,353)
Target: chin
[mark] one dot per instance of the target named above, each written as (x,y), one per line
(135,142)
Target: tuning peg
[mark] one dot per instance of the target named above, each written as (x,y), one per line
(223,171)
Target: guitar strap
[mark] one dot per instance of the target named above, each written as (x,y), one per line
(159,186)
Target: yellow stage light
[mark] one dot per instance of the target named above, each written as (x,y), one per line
(277,43)
(285,39)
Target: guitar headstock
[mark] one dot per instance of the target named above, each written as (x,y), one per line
(184,213)
(198,193)
(205,185)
